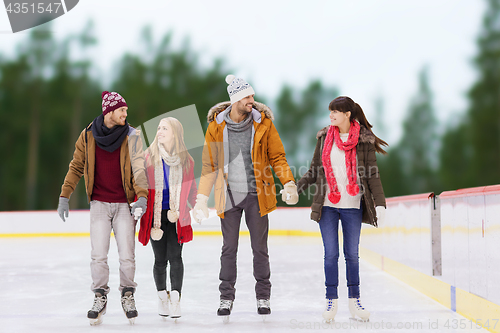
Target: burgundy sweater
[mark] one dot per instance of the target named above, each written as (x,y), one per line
(108,186)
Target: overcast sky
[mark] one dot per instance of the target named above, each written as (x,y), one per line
(366,48)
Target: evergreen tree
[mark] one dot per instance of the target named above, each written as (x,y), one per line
(419,145)
(484,111)
(298,120)
(470,154)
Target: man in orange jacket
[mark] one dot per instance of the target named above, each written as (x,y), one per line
(241,146)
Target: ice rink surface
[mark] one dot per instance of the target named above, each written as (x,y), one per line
(46,288)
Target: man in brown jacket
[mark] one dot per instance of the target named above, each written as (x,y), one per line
(242,145)
(109,154)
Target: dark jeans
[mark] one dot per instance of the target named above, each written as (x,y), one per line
(351,229)
(258,227)
(168,250)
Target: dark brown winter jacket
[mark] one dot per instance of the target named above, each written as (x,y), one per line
(131,165)
(371,186)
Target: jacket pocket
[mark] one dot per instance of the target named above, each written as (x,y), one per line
(269,192)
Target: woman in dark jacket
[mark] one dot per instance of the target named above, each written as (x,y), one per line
(167,220)
(347,185)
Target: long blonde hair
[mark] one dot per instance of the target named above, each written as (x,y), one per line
(179,146)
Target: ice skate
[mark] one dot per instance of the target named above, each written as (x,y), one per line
(331,310)
(225,308)
(163,309)
(356,309)
(98,308)
(175,303)
(263,307)
(128,304)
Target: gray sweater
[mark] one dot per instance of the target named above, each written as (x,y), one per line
(241,175)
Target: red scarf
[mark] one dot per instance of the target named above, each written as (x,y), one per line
(350,160)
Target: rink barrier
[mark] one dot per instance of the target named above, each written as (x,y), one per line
(29,224)
(461,273)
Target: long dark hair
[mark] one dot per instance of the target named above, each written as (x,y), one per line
(346,104)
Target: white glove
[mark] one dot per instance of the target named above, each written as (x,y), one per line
(200,209)
(380,215)
(289,193)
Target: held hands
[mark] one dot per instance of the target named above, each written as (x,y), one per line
(289,193)
(138,208)
(200,209)
(380,215)
(63,208)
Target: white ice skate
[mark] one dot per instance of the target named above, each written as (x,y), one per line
(332,306)
(128,304)
(163,301)
(98,308)
(225,308)
(175,303)
(356,309)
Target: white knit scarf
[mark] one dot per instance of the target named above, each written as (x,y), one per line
(174,187)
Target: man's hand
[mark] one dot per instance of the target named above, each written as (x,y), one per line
(289,193)
(139,207)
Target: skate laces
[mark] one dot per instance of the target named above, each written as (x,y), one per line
(329,304)
(358,304)
(225,304)
(99,302)
(263,303)
(128,303)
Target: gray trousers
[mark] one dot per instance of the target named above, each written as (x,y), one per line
(258,227)
(104,217)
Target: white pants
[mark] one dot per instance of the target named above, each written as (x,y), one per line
(104,217)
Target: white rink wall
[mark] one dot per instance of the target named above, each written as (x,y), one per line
(468,246)
(48,222)
(405,236)
(470,224)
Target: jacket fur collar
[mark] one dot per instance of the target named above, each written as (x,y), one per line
(218,108)
(364,134)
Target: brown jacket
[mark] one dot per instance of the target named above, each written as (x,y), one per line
(267,151)
(371,186)
(83,163)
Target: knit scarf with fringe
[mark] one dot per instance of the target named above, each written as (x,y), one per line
(349,147)
(174,186)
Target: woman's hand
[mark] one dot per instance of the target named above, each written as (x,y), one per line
(380,215)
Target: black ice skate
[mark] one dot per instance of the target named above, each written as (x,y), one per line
(225,308)
(263,307)
(128,304)
(98,308)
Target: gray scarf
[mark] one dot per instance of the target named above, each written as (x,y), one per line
(238,127)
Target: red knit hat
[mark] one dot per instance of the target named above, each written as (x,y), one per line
(111,101)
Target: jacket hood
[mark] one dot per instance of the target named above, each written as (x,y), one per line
(218,108)
(365,135)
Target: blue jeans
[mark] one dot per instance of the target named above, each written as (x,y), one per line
(351,229)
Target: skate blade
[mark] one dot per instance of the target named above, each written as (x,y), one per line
(329,321)
(96,321)
(360,320)
(225,320)
(131,321)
